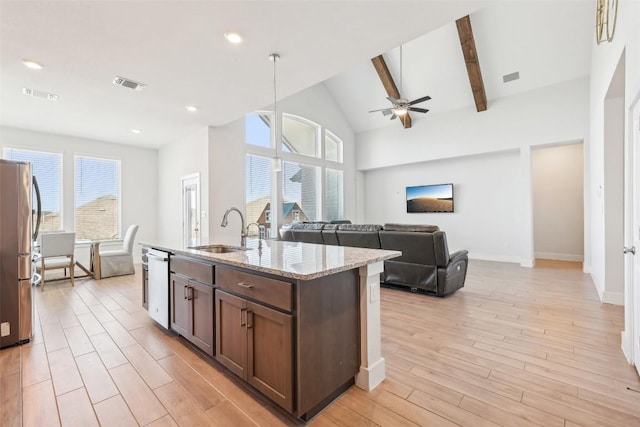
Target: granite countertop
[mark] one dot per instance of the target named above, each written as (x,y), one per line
(303,261)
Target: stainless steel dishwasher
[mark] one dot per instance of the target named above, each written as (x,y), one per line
(159,286)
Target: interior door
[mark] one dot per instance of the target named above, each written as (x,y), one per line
(633,259)
(191,209)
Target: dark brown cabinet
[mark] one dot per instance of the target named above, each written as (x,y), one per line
(192,303)
(297,342)
(256,343)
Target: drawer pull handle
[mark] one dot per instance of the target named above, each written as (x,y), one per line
(245,285)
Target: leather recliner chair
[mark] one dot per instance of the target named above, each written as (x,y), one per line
(425,263)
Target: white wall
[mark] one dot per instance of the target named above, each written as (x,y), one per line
(486,217)
(558,202)
(139,167)
(604,60)
(552,115)
(187,156)
(227,180)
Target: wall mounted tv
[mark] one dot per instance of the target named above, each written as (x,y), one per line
(430,198)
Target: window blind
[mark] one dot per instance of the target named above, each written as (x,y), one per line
(258,191)
(334,198)
(47,168)
(97,198)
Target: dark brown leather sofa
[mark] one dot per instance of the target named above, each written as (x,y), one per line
(425,265)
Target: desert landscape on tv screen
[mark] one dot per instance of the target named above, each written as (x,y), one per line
(430,198)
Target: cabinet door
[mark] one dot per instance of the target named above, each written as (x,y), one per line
(270,353)
(231,332)
(201,299)
(180,313)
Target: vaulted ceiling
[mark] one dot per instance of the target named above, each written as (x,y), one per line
(545,42)
(177,48)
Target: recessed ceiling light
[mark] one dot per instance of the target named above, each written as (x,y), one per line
(136,131)
(32,64)
(191,108)
(232,37)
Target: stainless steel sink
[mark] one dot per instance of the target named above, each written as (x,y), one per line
(218,249)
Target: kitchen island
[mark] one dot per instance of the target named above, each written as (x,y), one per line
(299,322)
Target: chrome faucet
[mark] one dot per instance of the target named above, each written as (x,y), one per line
(261,233)
(243,231)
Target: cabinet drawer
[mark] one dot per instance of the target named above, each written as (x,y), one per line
(200,271)
(270,291)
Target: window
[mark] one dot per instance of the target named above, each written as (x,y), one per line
(258,190)
(97,198)
(47,168)
(300,189)
(332,147)
(299,136)
(257,130)
(311,182)
(334,198)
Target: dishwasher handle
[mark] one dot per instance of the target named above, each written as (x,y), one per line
(159,258)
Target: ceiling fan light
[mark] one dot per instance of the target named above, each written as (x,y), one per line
(400,111)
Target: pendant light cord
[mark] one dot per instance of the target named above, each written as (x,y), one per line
(275,57)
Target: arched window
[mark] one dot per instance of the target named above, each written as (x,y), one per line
(309,186)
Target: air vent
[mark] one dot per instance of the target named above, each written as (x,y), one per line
(39,94)
(122,81)
(511,77)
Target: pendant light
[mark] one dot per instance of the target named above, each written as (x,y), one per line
(277,161)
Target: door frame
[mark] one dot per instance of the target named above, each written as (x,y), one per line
(631,343)
(189,180)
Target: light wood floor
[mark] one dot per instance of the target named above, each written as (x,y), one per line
(515,347)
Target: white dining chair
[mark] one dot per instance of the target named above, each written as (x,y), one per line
(57,251)
(119,262)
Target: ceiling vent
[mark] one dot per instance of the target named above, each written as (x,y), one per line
(511,77)
(122,81)
(39,94)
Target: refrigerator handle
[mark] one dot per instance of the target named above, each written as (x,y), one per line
(39,210)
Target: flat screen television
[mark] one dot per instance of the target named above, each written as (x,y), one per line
(430,198)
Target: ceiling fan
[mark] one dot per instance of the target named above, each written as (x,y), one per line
(402,106)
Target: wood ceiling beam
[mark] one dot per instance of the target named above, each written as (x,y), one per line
(389,85)
(468,44)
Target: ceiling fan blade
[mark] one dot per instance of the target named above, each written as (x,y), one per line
(393,116)
(418,110)
(393,100)
(386,112)
(382,109)
(419,100)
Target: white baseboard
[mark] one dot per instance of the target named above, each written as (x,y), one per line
(615,298)
(559,257)
(528,263)
(627,346)
(586,268)
(498,258)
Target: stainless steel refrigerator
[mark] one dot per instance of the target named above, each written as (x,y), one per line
(16,236)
